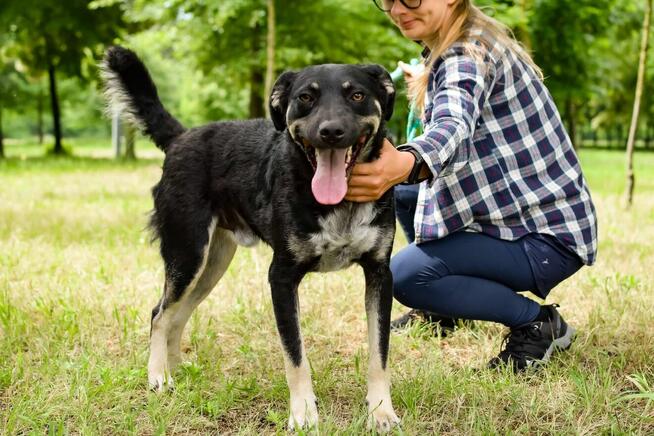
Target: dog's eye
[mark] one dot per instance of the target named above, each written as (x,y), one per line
(358,96)
(305,98)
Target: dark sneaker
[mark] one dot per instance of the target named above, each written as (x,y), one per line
(415,315)
(531,345)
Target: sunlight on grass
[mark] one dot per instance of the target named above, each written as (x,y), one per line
(78,278)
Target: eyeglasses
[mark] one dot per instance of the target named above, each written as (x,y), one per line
(387,5)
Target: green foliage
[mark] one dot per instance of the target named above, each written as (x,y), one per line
(617,66)
(223,45)
(46,33)
(13,85)
(45,36)
(208,58)
(563,32)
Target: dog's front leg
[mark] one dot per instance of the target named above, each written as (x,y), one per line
(379,299)
(284,279)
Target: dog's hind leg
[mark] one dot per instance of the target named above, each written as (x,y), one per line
(158,370)
(221,252)
(379,299)
(284,280)
(186,250)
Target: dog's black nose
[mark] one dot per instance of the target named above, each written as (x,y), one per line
(330,132)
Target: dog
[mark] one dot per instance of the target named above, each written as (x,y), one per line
(281,181)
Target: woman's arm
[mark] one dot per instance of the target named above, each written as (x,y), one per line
(462,87)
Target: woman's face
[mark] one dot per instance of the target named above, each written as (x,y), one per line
(423,23)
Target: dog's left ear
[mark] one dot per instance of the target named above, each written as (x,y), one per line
(382,77)
(279,99)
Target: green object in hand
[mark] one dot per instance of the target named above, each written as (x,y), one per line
(413,125)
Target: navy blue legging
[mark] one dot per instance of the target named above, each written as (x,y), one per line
(475,276)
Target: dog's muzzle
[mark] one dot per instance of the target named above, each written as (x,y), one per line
(333,168)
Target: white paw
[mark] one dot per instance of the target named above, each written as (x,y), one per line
(304,414)
(381,415)
(159,379)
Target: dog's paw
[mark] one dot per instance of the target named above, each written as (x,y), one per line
(304,414)
(381,416)
(160,381)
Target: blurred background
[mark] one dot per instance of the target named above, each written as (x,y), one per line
(215,60)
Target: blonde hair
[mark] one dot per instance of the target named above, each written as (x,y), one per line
(464,26)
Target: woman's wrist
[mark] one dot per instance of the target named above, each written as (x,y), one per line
(406,160)
(419,171)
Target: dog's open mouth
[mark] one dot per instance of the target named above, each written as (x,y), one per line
(351,153)
(332,169)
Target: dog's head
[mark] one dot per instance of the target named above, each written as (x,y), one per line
(333,112)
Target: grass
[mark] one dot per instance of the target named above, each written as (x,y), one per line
(78,278)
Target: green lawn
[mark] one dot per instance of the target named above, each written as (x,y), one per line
(78,278)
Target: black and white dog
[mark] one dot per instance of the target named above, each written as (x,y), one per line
(234,183)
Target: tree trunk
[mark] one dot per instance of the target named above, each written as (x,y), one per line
(571,116)
(256,78)
(56,118)
(644,45)
(39,113)
(2,137)
(270,58)
(256,91)
(116,133)
(130,154)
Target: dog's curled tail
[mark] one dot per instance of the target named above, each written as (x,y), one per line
(130,90)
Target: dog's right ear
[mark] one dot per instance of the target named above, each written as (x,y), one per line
(278,102)
(386,87)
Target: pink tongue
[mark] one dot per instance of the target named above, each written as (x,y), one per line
(329,184)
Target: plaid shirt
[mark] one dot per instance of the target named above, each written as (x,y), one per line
(503,162)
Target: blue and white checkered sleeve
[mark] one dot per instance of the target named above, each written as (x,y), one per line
(460,87)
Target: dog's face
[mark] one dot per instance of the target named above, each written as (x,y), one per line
(333,112)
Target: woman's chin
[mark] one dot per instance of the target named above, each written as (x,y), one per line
(416,33)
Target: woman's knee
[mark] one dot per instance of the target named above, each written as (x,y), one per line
(413,273)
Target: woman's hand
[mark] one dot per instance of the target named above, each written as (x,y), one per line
(370,181)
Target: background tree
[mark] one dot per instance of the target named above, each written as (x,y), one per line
(227,42)
(270,49)
(639,91)
(9,79)
(50,37)
(562,33)
(613,76)
(13,88)
(210,59)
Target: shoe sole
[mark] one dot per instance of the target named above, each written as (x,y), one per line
(562,343)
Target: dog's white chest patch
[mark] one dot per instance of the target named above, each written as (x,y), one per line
(344,236)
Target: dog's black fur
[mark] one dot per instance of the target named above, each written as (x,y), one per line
(250,180)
